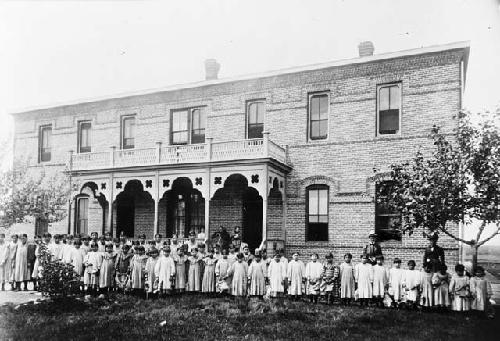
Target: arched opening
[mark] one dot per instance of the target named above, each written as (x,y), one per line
(134,211)
(90,210)
(238,205)
(182,210)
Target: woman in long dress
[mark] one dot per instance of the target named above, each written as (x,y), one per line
(239,272)
(257,273)
(21,269)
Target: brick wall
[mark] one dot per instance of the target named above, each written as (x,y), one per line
(346,161)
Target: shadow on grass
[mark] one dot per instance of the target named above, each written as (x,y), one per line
(202,318)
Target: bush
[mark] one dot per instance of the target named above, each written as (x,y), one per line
(57,279)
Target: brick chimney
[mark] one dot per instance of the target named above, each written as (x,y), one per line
(211,69)
(366,48)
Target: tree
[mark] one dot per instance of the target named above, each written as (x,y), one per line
(25,195)
(460,182)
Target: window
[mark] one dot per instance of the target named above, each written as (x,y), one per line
(82,215)
(389,109)
(317,213)
(255,119)
(318,117)
(387,219)
(128,132)
(45,143)
(188,126)
(198,126)
(84,137)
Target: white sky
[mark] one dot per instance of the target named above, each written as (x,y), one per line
(58,51)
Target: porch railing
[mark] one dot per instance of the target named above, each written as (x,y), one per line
(179,154)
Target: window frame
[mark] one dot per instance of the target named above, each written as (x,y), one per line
(41,152)
(399,84)
(79,137)
(189,130)
(247,117)
(309,116)
(307,215)
(385,234)
(122,131)
(78,226)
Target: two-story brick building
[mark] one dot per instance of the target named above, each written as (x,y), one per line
(291,156)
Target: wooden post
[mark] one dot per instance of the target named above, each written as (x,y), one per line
(158,152)
(110,207)
(157,200)
(265,143)
(112,156)
(209,148)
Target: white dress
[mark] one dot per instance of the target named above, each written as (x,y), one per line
(21,269)
(92,261)
(257,275)
(346,280)
(295,274)
(459,288)
(164,270)
(380,280)
(481,291)
(239,273)
(364,277)
(396,283)
(77,258)
(4,253)
(411,283)
(313,275)
(277,274)
(10,262)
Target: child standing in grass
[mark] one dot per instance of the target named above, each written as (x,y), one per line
(277,276)
(257,277)
(122,266)
(208,283)
(364,278)
(239,272)
(221,270)
(347,282)
(380,281)
(92,264)
(295,275)
(165,272)
(327,278)
(440,283)
(151,279)
(481,291)
(77,258)
(314,269)
(137,267)
(460,290)
(411,284)
(426,289)
(180,260)
(107,269)
(396,282)
(193,284)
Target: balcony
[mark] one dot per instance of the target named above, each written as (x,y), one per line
(180,154)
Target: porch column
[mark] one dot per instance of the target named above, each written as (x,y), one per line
(110,206)
(264,207)
(207,201)
(156,200)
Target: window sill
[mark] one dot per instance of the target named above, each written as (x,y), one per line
(388,136)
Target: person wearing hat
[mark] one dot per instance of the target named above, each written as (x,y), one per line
(434,254)
(373,249)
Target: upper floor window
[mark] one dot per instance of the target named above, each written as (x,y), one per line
(317,213)
(198,125)
(45,143)
(188,126)
(255,119)
(318,116)
(389,109)
(84,129)
(128,132)
(387,218)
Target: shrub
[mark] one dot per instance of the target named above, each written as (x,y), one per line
(57,279)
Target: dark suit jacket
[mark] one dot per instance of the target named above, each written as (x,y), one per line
(434,256)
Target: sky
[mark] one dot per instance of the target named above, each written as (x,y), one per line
(54,51)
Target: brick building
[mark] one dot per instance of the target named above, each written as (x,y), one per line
(291,156)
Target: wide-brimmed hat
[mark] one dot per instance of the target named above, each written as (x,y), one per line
(372,234)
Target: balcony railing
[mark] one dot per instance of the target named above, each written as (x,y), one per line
(170,155)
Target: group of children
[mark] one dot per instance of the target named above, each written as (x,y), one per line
(158,268)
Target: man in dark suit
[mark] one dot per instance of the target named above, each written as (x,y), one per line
(434,254)
(373,249)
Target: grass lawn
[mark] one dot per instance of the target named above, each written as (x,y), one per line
(202,318)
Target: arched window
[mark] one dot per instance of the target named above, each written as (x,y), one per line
(317,200)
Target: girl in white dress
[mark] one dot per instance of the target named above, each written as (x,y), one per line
(137,270)
(295,274)
(180,260)
(363,273)
(460,290)
(314,270)
(481,291)
(396,282)
(221,270)
(92,263)
(440,283)
(426,289)
(165,272)
(208,282)
(239,273)
(3,258)
(257,276)
(347,282)
(411,284)
(151,281)
(277,276)
(107,272)
(380,281)
(77,258)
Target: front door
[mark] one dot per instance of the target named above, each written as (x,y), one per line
(252,221)
(125,217)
